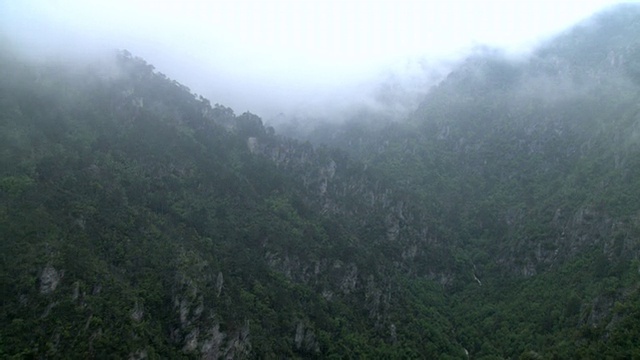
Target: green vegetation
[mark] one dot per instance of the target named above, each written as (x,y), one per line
(500,220)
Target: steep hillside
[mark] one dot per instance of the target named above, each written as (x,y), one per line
(140,221)
(500,220)
(526,151)
(531,165)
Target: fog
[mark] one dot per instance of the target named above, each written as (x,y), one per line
(292,58)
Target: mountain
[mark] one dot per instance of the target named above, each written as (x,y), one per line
(140,221)
(499,220)
(530,164)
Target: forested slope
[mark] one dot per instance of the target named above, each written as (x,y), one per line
(500,220)
(526,151)
(140,221)
(531,165)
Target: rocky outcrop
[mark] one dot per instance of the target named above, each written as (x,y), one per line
(338,186)
(49,279)
(305,339)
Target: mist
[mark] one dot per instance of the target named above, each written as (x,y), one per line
(292,59)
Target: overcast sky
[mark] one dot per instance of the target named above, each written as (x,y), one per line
(271,56)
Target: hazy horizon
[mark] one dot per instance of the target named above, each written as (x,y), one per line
(273,57)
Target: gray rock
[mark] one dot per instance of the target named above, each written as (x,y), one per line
(49,279)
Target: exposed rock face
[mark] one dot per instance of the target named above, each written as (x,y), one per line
(529,269)
(199,331)
(305,339)
(350,279)
(329,179)
(139,355)
(49,279)
(239,345)
(252,144)
(76,291)
(393,335)
(137,312)
(212,346)
(191,341)
(219,283)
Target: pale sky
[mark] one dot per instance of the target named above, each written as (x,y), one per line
(269,56)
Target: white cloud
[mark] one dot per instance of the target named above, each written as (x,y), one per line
(264,55)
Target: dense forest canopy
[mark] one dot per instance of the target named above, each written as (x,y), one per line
(500,219)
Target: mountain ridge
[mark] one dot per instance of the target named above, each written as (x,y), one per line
(499,221)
